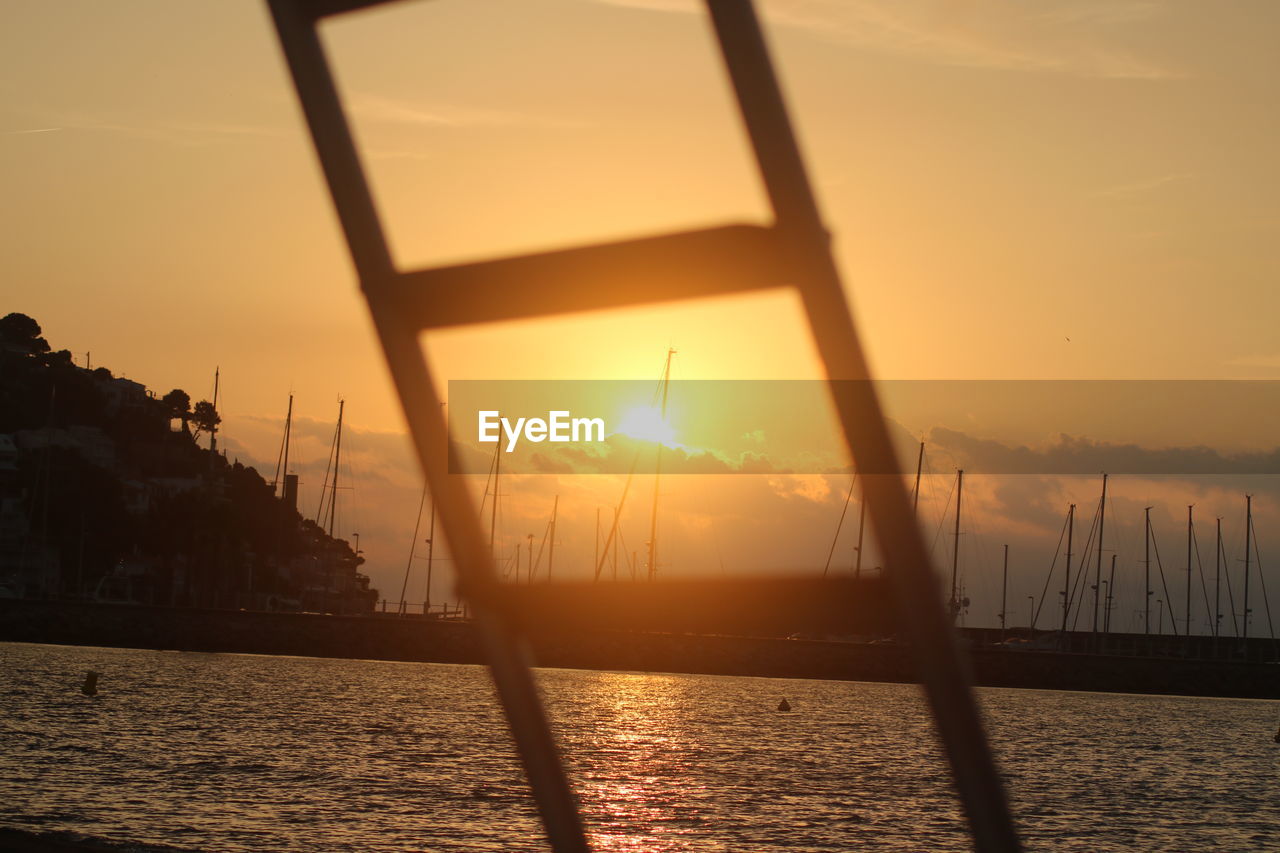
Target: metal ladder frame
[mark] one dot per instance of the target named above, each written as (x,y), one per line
(792,252)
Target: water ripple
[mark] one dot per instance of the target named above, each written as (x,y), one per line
(246,753)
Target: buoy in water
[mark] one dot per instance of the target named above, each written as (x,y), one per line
(784,705)
(90,686)
(1277,738)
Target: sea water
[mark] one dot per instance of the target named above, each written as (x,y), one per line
(205,752)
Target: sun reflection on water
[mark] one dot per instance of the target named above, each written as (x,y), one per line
(643,737)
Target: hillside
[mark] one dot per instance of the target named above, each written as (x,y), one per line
(107,494)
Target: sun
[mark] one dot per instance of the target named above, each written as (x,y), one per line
(647,424)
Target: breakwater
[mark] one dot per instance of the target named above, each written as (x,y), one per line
(413,638)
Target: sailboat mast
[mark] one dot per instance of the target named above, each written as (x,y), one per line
(1146,598)
(551,554)
(213,428)
(840,524)
(1217,582)
(1004,588)
(493,509)
(1190,533)
(1066,584)
(288,432)
(915,494)
(1097,572)
(1248,550)
(657,475)
(862,525)
(282,460)
(413,544)
(431,552)
(1111,595)
(955,550)
(337,457)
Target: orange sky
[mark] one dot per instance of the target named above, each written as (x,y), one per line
(999,177)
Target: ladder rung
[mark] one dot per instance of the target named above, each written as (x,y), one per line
(774,606)
(317,9)
(712,262)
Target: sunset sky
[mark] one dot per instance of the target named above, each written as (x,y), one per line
(1031,190)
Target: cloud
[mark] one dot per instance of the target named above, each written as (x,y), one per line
(379,108)
(617,454)
(385,457)
(783,522)
(181,133)
(373,108)
(1101,13)
(1073,455)
(1076,39)
(1142,187)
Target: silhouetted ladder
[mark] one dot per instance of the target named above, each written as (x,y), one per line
(792,252)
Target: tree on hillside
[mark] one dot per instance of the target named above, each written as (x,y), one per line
(61,358)
(22,331)
(178,402)
(205,417)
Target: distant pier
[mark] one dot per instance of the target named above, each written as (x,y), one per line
(1193,666)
